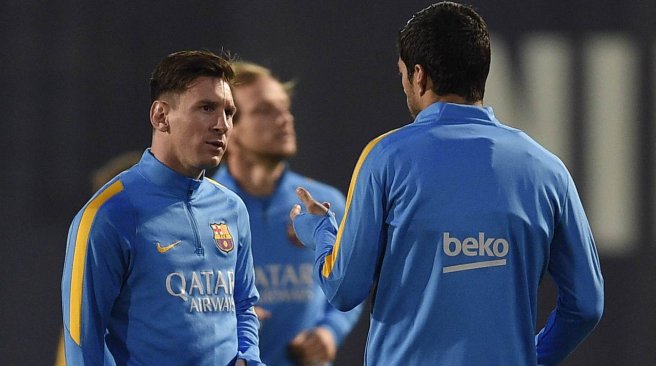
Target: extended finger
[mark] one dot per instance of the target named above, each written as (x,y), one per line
(295,211)
(262,313)
(310,203)
(299,339)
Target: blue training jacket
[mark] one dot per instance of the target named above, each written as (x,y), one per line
(283,267)
(159,271)
(453,220)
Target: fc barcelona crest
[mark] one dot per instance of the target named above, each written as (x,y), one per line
(222,237)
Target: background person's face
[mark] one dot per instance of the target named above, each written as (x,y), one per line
(266,125)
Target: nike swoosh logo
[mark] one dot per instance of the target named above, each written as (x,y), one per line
(165,249)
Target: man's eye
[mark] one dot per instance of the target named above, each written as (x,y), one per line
(264,110)
(207,108)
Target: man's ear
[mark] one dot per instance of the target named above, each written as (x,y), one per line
(159,111)
(420,78)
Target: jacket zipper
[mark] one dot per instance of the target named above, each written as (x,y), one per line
(199,248)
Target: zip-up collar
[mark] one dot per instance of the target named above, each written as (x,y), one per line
(165,177)
(451,113)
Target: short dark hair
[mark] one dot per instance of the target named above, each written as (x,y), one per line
(452,43)
(178,70)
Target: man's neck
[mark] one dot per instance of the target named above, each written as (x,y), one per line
(257,177)
(448,98)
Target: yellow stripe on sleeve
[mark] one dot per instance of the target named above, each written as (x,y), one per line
(330,260)
(80,256)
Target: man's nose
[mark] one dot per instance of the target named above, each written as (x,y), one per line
(285,117)
(221,124)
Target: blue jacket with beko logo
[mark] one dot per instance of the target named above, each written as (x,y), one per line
(454,220)
(159,271)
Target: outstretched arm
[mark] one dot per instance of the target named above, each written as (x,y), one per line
(345,258)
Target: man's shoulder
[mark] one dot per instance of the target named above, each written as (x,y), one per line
(217,186)
(114,193)
(110,206)
(223,192)
(390,141)
(524,142)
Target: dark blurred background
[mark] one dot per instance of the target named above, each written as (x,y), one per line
(579,76)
